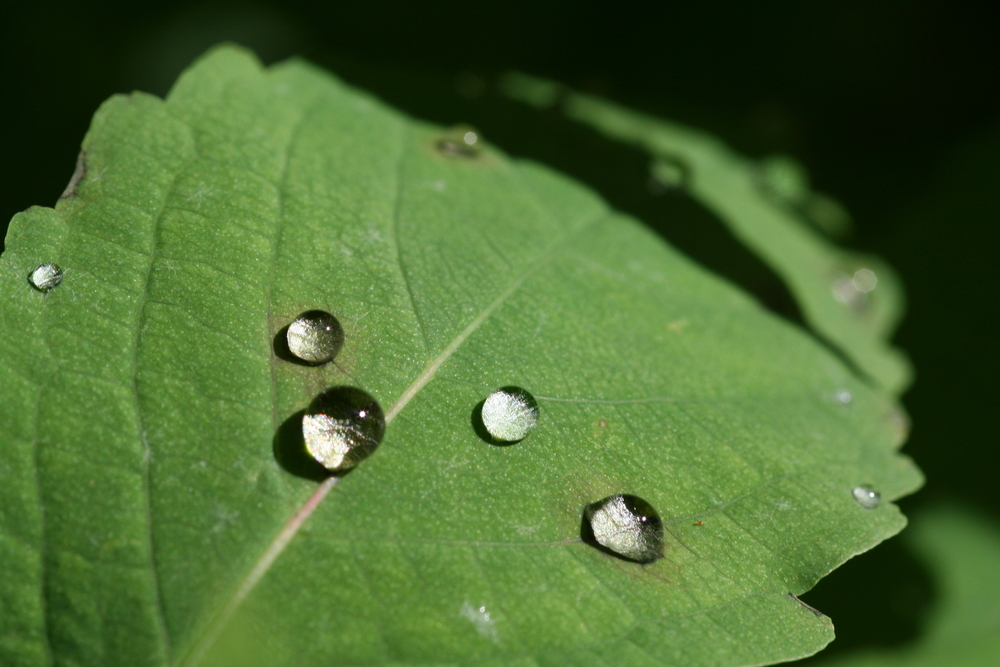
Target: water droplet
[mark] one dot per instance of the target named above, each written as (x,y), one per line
(828,215)
(342,427)
(509,414)
(785,177)
(666,175)
(864,280)
(843,397)
(315,337)
(852,290)
(460,141)
(46,276)
(627,526)
(482,618)
(867,496)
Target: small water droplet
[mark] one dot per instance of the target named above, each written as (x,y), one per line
(852,290)
(342,426)
(315,337)
(867,496)
(46,276)
(784,177)
(666,175)
(843,397)
(864,280)
(509,414)
(460,141)
(481,618)
(627,526)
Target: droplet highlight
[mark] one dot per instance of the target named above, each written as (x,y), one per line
(625,525)
(342,427)
(315,337)
(867,496)
(509,414)
(853,290)
(843,397)
(461,141)
(784,177)
(45,277)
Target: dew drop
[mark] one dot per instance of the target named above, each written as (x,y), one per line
(843,397)
(509,414)
(867,496)
(315,337)
(784,177)
(45,277)
(460,141)
(626,525)
(852,290)
(666,175)
(342,426)
(864,280)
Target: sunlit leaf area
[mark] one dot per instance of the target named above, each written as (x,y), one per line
(533,335)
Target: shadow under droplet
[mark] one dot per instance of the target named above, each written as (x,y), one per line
(280,346)
(290,451)
(480,428)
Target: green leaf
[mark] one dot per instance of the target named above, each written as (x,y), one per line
(852,300)
(149,514)
(962,550)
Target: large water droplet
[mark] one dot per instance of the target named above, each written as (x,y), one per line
(45,277)
(342,427)
(627,526)
(315,337)
(461,141)
(867,496)
(509,414)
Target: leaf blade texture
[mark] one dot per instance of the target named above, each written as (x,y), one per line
(143,499)
(852,300)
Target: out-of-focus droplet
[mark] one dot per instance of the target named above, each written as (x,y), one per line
(315,337)
(460,141)
(864,280)
(853,290)
(667,175)
(628,526)
(784,177)
(342,426)
(46,276)
(867,496)
(509,414)
(828,215)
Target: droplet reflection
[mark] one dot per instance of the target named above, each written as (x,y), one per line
(460,141)
(342,427)
(626,525)
(315,337)
(867,496)
(509,414)
(45,277)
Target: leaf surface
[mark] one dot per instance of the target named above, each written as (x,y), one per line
(852,300)
(152,514)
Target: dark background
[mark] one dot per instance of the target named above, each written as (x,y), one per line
(893,105)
